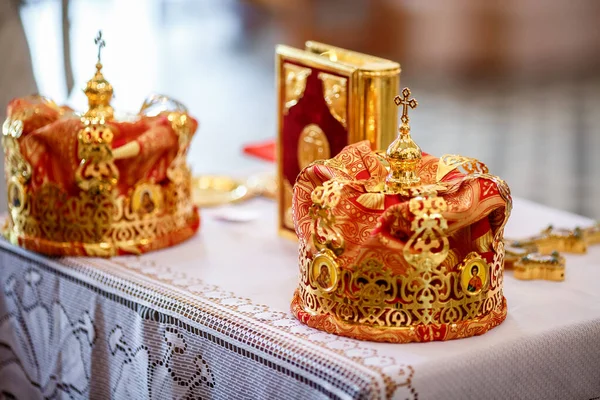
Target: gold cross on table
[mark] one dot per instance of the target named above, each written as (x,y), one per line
(99,41)
(406,102)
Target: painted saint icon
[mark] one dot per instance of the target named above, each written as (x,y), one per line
(16,197)
(324,279)
(147,205)
(324,271)
(474,274)
(147,199)
(475,283)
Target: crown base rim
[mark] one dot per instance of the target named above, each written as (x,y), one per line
(400,334)
(109,248)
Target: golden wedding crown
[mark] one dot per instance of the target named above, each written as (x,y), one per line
(92,185)
(401,246)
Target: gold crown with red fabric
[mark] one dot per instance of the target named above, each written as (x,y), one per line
(93,185)
(400,246)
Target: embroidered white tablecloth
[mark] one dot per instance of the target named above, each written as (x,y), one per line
(210,319)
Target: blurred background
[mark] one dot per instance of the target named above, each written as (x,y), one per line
(515,83)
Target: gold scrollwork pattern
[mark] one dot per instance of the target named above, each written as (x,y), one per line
(326,233)
(428,246)
(96,171)
(179,171)
(12,129)
(336,95)
(369,302)
(295,84)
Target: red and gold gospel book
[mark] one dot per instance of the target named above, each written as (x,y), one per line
(328,97)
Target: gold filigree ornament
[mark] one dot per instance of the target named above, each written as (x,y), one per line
(326,234)
(379,259)
(99,215)
(12,129)
(429,245)
(334,92)
(295,84)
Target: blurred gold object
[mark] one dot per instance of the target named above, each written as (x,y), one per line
(538,266)
(210,191)
(264,185)
(98,90)
(216,190)
(555,239)
(537,257)
(592,234)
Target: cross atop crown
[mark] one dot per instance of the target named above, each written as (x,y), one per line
(403,154)
(99,41)
(406,102)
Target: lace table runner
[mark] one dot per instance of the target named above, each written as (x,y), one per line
(210,319)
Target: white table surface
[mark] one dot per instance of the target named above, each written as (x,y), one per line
(250,260)
(244,274)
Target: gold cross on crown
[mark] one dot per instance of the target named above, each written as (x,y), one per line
(99,41)
(406,102)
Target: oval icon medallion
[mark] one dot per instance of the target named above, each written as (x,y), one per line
(312,146)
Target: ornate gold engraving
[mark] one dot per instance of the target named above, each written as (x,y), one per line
(312,146)
(336,95)
(15,163)
(295,84)
(326,233)
(372,303)
(428,246)
(96,171)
